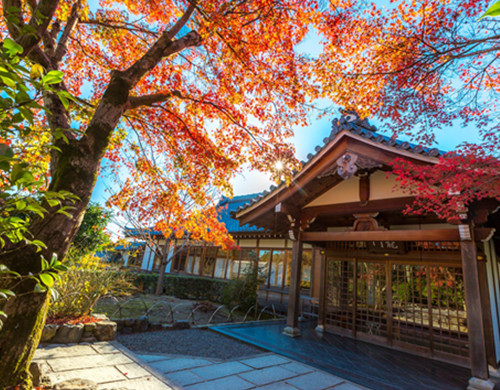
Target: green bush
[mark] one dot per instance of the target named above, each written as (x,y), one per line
(180,286)
(242,292)
(85,281)
(192,287)
(145,283)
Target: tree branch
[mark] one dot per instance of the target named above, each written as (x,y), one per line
(39,21)
(148,100)
(119,25)
(62,46)
(164,47)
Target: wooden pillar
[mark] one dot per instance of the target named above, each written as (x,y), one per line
(292,319)
(323,279)
(477,345)
(486,309)
(316,272)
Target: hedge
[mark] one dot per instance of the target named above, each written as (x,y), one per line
(184,287)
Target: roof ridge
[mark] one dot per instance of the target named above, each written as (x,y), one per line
(351,121)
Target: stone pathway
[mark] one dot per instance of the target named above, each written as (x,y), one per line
(105,363)
(267,371)
(113,366)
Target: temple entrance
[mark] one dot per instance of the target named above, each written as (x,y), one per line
(412,300)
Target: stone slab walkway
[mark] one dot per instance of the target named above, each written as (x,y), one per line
(113,366)
(105,363)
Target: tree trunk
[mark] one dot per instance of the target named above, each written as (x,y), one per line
(24,325)
(76,172)
(163,264)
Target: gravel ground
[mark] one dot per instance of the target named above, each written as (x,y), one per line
(192,342)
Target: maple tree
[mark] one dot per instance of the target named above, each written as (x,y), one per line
(419,66)
(208,86)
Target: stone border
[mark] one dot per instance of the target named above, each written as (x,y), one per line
(102,330)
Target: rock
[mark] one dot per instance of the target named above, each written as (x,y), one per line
(141,324)
(89,327)
(105,330)
(155,326)
(177,325)
(76,384)
(39,374)
(129,322)
(119,324)
(89,339)
(68,333)
(48,333)
(102,317)
(127,330)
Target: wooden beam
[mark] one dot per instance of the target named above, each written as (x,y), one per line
(384,235)
(372,206)
(288,209)
(364,189)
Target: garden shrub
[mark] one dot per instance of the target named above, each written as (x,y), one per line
(242,292)
(192,287)
(181,286)
(86,280)
(144,282)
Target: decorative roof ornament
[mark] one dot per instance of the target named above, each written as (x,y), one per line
(348,164)
(350,120)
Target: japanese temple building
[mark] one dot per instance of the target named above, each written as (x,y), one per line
(335,244)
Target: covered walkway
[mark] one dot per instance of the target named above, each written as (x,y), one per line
(369,365)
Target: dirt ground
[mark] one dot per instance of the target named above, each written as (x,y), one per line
(166,309)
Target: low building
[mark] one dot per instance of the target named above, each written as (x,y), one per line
(336,243)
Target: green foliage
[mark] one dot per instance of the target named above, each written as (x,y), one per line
(22,183)
(199,288)
(145,282)
(183,287)
(242,292)
(86,280)
(91,236)
(494,10)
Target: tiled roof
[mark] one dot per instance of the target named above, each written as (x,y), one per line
(130,246)
(134,232)
(228,206)
(351,122)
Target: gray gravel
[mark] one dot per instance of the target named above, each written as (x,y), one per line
(192,342)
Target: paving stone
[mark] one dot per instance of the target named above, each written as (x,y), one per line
(220,370)
(278,386)
(297,368)
(133,370)
(105,348)
(95,360)
(172,365)
(348,386)
(184,378)
(57,352)
(76,384)
(98,375)
(267,375)
(315,381)
(265,361)
(227,383)
(154,358)
(139,384)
